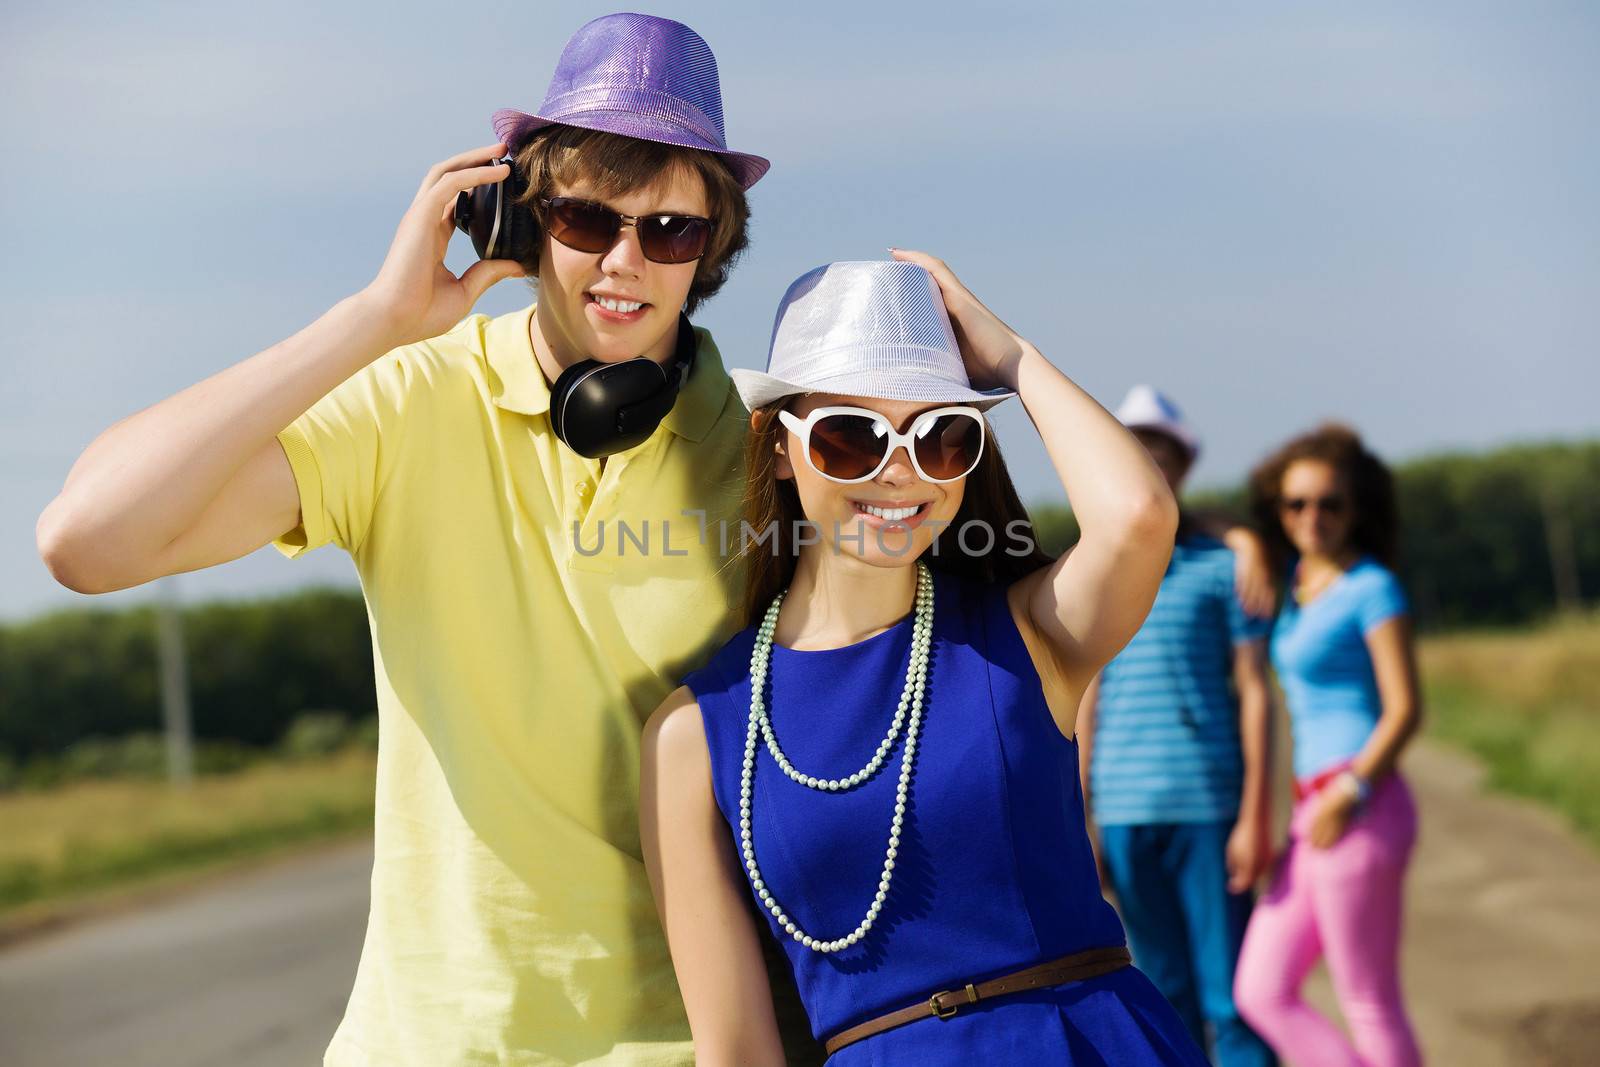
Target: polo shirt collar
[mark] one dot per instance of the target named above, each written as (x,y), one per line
(520,385)
(703,395)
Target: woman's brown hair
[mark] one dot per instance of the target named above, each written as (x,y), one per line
(614,165)
(1374,523)
(772,503)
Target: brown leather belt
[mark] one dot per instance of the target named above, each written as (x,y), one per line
(1073,968)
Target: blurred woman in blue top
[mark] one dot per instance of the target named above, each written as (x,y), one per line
(1342,648)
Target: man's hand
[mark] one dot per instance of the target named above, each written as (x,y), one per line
(1248,853)
(415,296)
(1103,871)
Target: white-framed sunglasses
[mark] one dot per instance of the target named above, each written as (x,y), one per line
(851,444)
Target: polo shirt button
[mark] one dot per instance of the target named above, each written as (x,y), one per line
(584,488)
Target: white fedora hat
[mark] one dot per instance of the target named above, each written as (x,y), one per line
(874,329)
(1147,408)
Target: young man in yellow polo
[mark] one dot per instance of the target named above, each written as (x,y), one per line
(480,473)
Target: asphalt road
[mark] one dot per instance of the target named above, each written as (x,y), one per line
(252,970)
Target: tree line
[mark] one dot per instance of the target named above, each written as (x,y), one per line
(255,667)
(1501,538)
(1486,539)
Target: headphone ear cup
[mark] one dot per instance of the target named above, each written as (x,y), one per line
(517,235)
(599,408)
(474,216)
(519,228)
(560,390)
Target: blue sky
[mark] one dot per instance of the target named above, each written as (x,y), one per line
(1277,213)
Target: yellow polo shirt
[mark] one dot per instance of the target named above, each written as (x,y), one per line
(520,643)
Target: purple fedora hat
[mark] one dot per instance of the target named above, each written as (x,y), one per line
(638,76)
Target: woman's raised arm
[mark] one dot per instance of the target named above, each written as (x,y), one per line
(1094,598)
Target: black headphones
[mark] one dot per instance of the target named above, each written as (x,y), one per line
(596,408)
(500,227)
(599,408)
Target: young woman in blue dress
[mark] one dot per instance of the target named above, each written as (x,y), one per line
(880,772)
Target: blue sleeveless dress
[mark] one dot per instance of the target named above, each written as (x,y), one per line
(994,871)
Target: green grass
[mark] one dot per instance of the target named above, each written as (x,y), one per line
(1528,704)
(94,835)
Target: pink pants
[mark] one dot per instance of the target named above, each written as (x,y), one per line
(1342,902)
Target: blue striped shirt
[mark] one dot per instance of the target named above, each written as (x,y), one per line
(1166,725)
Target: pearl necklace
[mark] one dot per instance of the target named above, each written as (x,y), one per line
(761,727)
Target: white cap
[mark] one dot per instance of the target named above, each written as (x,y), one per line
(1145,408)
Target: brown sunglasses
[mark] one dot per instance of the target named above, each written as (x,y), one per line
(850,444)
(1328,505)
(590,227)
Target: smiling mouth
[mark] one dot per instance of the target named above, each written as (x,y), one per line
(892,514)
(619,307)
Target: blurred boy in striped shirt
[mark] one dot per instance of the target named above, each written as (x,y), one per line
(1173,744)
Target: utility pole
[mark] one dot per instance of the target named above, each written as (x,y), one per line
(174,685)
(1563,559)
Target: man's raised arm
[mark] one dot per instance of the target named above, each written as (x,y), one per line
(199,478)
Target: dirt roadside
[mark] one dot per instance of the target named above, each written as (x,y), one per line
(1502,944)
(1502,948)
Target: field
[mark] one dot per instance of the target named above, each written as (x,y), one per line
(1527,703)
(73,840)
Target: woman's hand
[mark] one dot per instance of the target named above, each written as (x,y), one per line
(1335,809)
(990,348)
(414,294)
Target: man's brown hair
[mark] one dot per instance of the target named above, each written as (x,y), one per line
(614,165)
